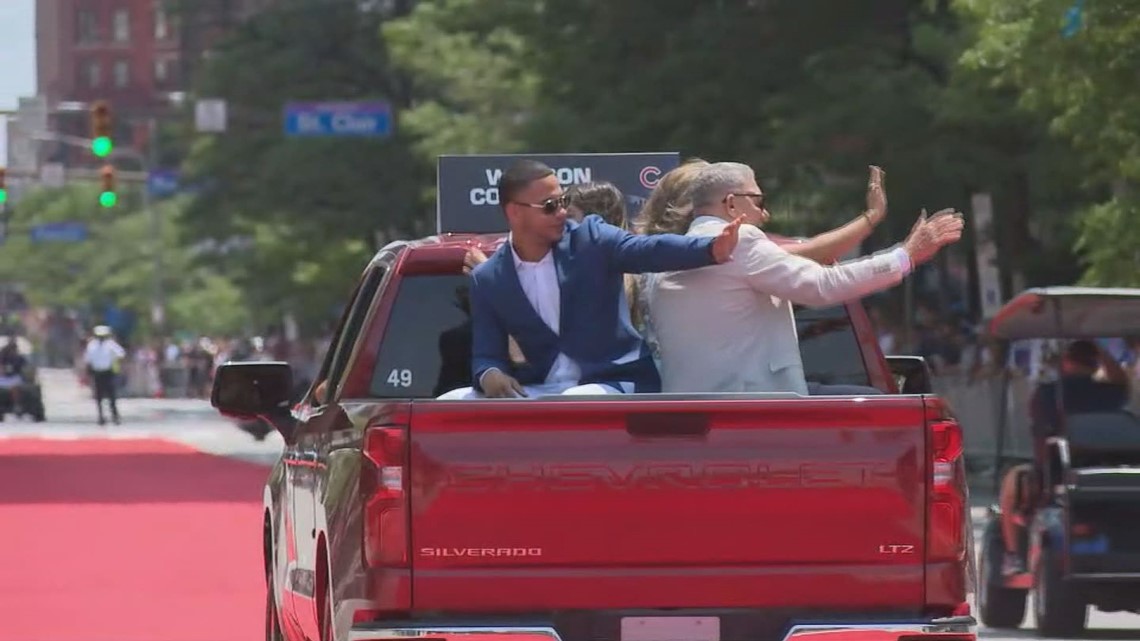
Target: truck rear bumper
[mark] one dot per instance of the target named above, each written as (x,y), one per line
(948,629)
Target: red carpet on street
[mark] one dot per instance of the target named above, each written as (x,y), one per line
(128,540)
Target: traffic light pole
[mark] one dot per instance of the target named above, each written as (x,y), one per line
(145,161)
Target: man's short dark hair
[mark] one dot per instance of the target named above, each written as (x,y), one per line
(1083,352)
(519,176)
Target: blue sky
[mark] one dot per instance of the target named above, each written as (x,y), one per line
(17,56)
(17,50)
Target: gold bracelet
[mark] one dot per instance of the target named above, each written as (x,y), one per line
(867,216)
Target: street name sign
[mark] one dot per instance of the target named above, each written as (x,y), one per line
(353,119)
(63,232)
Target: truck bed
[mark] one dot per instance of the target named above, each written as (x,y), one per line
(652,503)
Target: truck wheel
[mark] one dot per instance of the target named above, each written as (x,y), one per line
(326,623)
(1060,609)
(999,607)
(272,621)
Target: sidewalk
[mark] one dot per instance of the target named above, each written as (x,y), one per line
(68,401)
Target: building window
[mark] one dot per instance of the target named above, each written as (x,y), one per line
(161,21)
(86,26)
(92,73)
(122,72)
(122,25)
(161,72)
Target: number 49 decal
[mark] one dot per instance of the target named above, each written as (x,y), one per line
(400,378)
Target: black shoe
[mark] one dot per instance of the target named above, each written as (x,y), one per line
(102,421)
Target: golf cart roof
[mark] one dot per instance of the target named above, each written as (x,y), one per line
(1069,313)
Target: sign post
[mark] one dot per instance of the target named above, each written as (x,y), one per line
(467,199)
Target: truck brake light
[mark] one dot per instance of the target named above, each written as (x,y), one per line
(945,536)
(383,488)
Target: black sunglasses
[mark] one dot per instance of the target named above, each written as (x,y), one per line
(757,199)
(550,206)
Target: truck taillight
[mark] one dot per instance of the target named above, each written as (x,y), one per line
(383,488)
(945,535)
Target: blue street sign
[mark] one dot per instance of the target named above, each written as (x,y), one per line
(1073,19)
(372,119)
(161,183)
(65,232)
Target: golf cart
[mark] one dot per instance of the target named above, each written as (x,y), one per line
(1082,499)
(25,397)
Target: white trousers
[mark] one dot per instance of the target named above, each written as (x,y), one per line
(545,389)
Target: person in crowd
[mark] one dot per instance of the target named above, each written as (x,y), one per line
(102,358)
(556,287)
(13,371)
(601,198)
(740,312)
(1090,381)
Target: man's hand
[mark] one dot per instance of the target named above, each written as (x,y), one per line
(876,197)
(725,242)
(931,234)
(473,258)
(496,384)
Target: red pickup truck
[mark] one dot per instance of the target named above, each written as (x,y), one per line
(644,517)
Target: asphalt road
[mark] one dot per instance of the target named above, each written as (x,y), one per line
(193,425)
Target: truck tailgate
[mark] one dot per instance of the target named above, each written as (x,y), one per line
(667,503)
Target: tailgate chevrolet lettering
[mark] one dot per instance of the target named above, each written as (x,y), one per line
(668,476)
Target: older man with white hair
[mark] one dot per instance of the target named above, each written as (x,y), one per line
(730,327)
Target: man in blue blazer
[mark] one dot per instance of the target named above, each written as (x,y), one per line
(556,287)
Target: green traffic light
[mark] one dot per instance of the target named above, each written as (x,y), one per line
(108,199)
(101,146)
(3,196)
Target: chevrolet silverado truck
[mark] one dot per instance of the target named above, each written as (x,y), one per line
(641,517)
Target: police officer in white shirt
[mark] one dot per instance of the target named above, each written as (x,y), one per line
(102,355)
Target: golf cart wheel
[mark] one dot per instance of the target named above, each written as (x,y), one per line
(1060,609)
(999,607)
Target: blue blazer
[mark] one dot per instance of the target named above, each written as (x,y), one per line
(595,326)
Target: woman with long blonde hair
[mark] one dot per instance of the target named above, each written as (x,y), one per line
(668,210)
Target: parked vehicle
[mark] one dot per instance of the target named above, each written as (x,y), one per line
(23,398)
(1081,542)
(644,517)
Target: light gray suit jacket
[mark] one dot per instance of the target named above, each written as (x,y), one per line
(730,327)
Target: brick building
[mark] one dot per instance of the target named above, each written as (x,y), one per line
(134,53)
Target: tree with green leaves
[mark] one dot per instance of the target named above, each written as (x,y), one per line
(114,265)
(1074,64)
(314,207)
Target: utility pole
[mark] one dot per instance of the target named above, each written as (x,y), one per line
(158,307)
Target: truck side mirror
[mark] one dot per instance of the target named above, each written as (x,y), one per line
(912,374)
(250,390)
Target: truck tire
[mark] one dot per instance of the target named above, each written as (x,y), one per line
(1060,609)
(272,620)
(999,607)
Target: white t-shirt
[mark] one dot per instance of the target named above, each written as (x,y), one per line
(101,354)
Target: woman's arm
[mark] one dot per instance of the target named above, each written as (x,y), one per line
(829,246)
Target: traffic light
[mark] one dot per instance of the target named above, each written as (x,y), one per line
(3,186)
(108,197)
(101,144)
